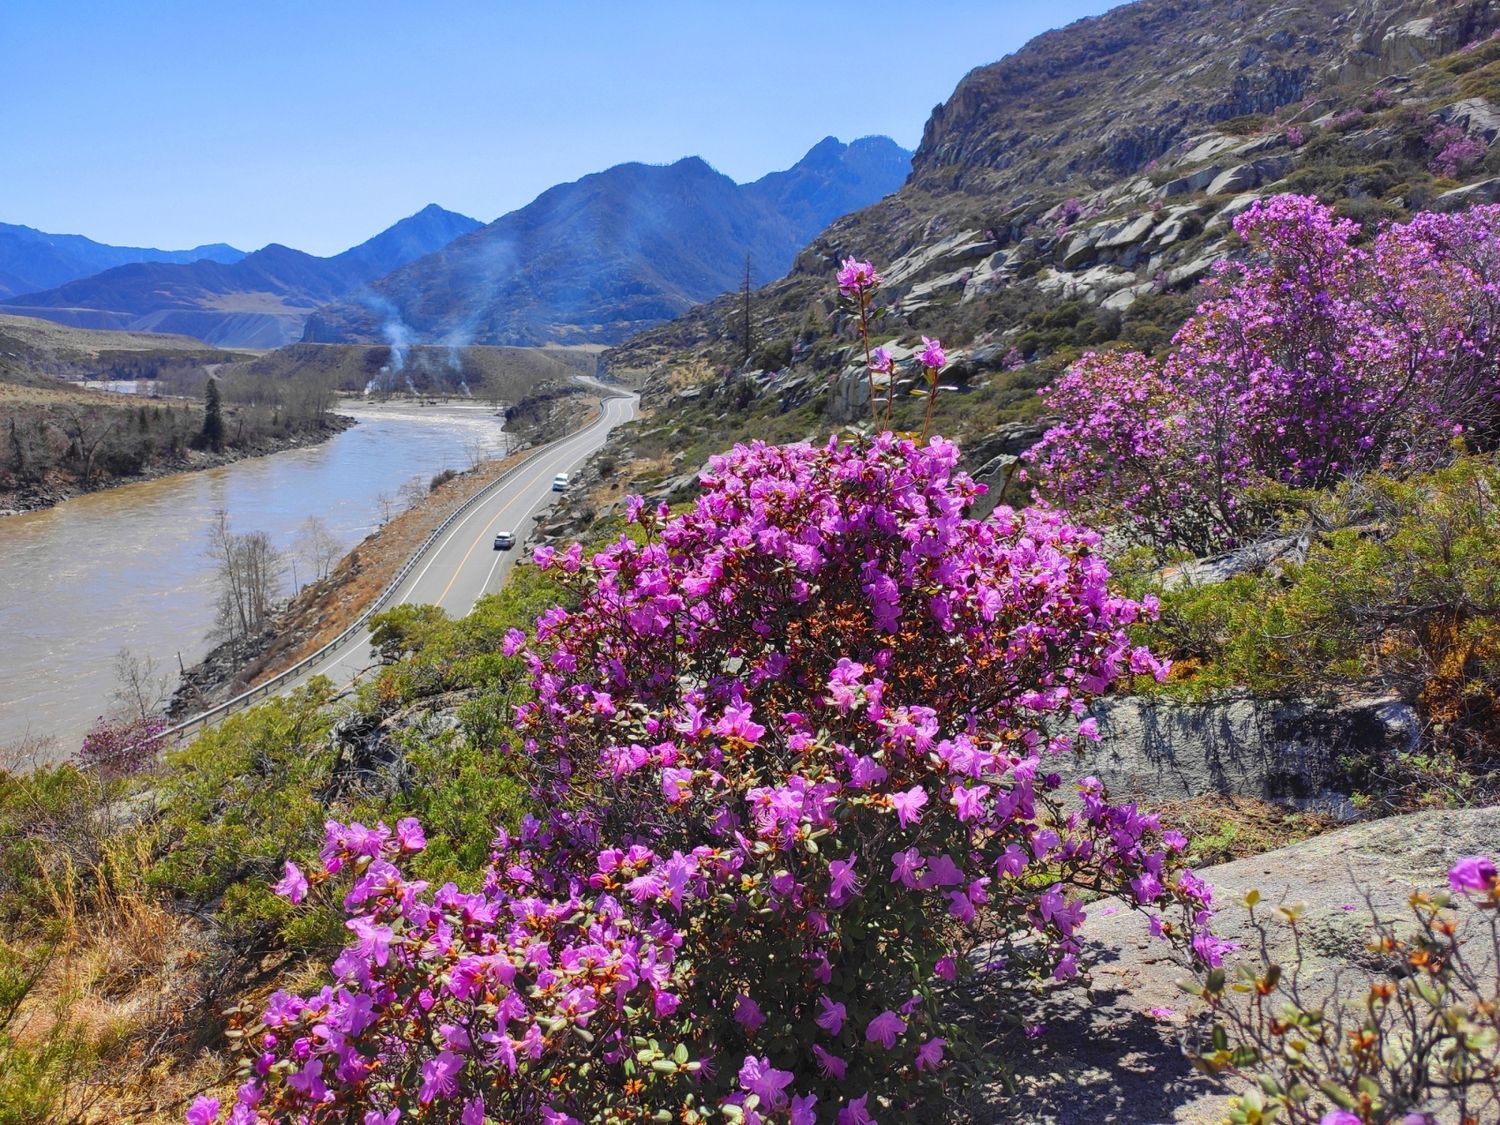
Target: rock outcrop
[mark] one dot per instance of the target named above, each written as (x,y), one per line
(1297,752)
(1107,1059)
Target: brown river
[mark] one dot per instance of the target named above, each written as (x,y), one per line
(128,567)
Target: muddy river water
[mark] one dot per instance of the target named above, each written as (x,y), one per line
(128,567)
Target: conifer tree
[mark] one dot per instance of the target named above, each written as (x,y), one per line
(212,436)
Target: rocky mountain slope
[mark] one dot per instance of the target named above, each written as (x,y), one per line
(259,301)
(31,259)
(1072,194)
(598,259)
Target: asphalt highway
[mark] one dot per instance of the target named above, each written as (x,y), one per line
(463,565)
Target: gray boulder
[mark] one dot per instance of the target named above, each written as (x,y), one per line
(1194,181)
(1485,191)
(1474,116)
(1257,558)
(1292,752)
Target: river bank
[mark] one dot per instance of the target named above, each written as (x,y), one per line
(128,567)
(323,609)
(60,487)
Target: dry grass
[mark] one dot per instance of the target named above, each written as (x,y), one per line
(1223,828)
(49,336)
(121,973)
(627,475)
(15,395)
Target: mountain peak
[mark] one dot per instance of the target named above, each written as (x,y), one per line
(616,251)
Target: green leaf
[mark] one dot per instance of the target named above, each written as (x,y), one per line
(1336,1094)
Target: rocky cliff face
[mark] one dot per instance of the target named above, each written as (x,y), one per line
(1103,97)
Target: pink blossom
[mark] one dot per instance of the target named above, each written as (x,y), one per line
(884,1029)
(831,1065)
(1472,874)
(675,783)
(932,355)
(842,883)
(908,805)
(930,1054)
(292,885)
(747,1013)
(855,1112)
(857,278)
(409,835)
(757,1076)
(831,1018)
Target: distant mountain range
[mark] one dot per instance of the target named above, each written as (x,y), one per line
(31,260)
(605,256)
(243,300)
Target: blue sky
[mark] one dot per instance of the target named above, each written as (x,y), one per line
(172,123)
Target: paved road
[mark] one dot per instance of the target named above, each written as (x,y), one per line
(463,565)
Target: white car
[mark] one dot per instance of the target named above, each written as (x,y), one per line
(505,541)
(560,482)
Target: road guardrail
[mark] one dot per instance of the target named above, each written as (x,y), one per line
(270,687)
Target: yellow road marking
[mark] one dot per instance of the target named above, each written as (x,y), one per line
(463,562)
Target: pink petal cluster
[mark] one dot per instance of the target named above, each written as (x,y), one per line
(857,279)
(1473,874)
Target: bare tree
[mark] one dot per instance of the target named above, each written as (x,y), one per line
(27,753)
(142,685)
(318,545)
(86,430)
(387,505)
(250,571)
(413,492)
(475,450)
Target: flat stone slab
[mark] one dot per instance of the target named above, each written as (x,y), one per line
(1105,1058)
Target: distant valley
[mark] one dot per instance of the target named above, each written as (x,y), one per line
(591,261)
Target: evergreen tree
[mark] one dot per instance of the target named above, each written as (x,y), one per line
(212,436)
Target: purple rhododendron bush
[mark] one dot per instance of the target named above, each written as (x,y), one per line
(1316,358)
(795,750)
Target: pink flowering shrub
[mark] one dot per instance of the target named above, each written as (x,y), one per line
(858,284)
(1455,152)
(116,747)
(793,754)
(1313,359)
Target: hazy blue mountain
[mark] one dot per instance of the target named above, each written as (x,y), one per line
(258,300)
(599,258)
(31,259)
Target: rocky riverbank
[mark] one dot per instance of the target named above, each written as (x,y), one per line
(58,486)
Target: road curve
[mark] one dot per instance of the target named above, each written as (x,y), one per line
(463,566)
